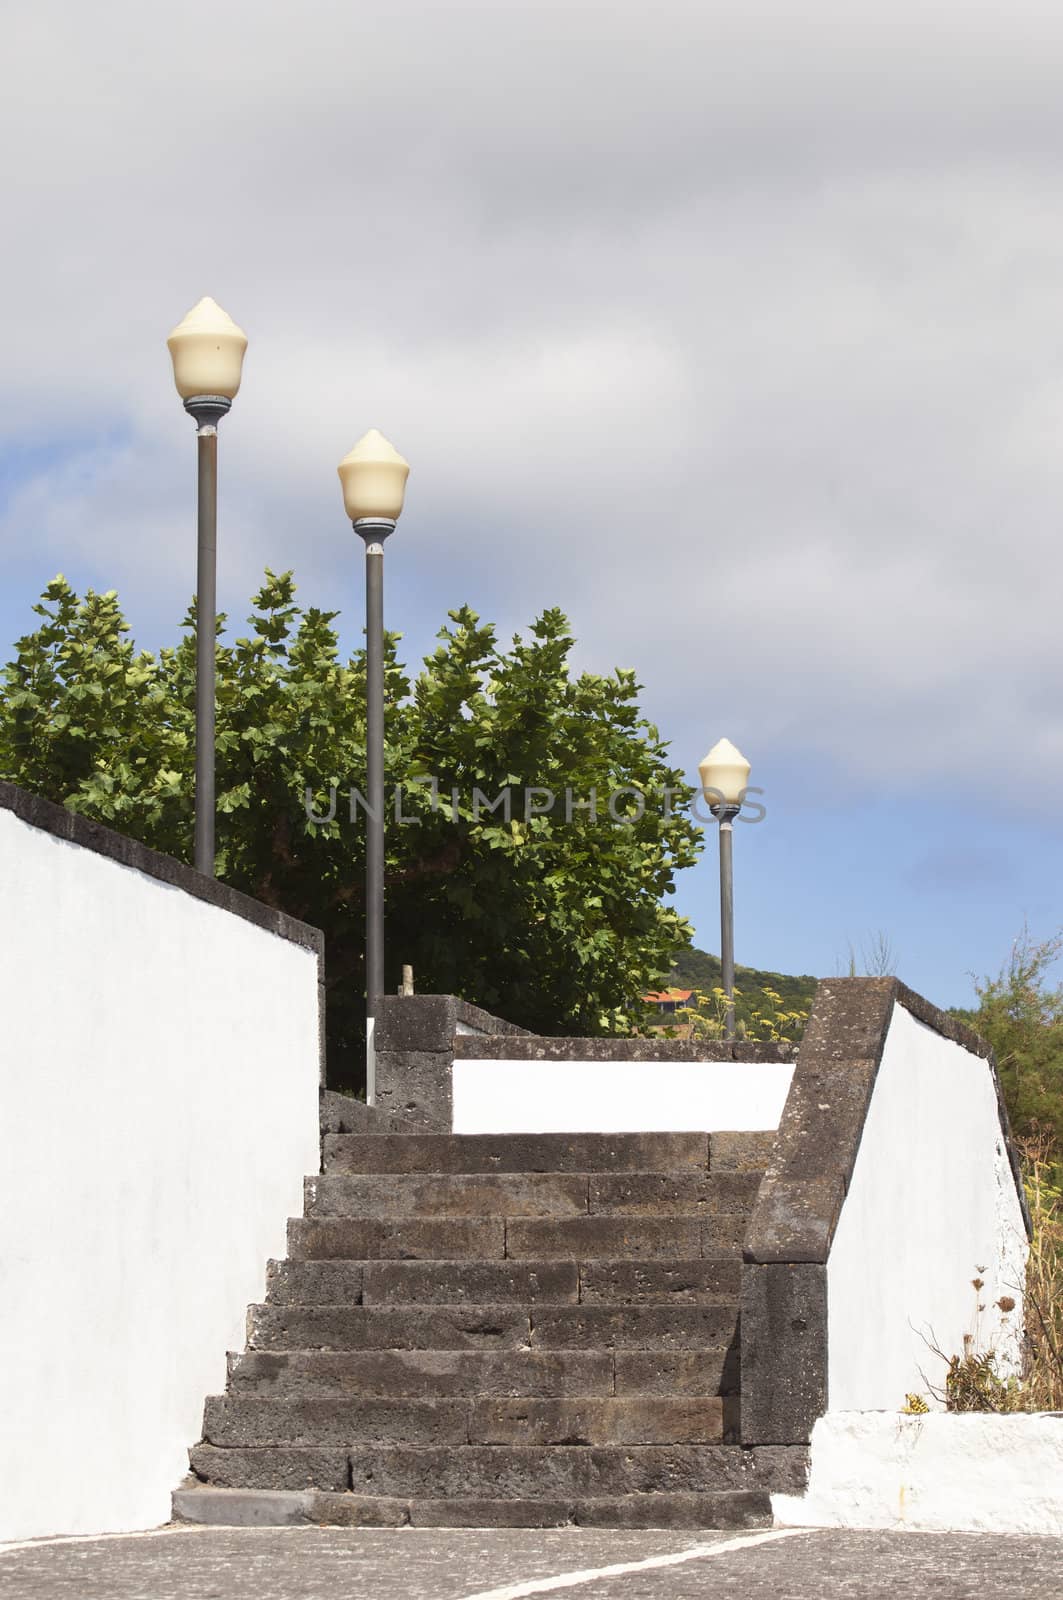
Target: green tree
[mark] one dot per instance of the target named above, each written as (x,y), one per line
(1020,1013)
(556,920)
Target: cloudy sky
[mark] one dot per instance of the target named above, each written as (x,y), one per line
(734,329)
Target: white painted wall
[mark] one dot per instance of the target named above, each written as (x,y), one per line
(968,1473)
(618,1096)
(932,1205)
(158,1110)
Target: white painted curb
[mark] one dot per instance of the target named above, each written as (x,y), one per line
(971,1473)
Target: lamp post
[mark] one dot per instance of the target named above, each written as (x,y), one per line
(207,349)
(724,775)
(373,477)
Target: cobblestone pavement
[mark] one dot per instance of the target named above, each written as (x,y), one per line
(424,1564)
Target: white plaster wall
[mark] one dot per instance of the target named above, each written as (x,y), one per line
(158,1110)
(618,1096)
(932,1206)
(968,1473)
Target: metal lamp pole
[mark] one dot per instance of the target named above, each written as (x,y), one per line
(373,531)
(207,410)
(724,775)
(207,350)
(725,815)
(373,476)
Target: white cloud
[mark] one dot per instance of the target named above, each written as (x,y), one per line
(739,323)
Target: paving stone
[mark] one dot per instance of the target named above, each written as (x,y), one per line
(516,1194)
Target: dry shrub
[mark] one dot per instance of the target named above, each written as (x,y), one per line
(1043,1385)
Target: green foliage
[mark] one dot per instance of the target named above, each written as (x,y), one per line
(557,924)
(766,1018)
(757,993)
(1020,1013)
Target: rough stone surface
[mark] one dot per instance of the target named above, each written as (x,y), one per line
(516,1194)
(677,1372)
(740,1152)
(416,1087)
(313,1468)
(580,1471)
(639,1420)
(427,1373)
(533,1047)
(641,1327)
(318,1421)
(635,1282)
(795,1219)
(427,1563)
(673,1194)
(293,1283)
(343,1114)
(369,1239)
(388,1327)
(522,1152)
(784,1352)
(579,1238)
(473,1283)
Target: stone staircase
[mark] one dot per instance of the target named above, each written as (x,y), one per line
(530,1330)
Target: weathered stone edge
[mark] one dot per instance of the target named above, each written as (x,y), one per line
(538,1047)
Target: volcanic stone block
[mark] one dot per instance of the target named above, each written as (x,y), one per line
(740,1152)
(578,1238)
(313,1468)
(341,1238)
(249,1421)
(631,1282)
(421,1374)
(677,1372)
(517,1194)
(630,1421)
(795,1219)
(735,1508)
(335,1283)
(784,1352)
(473,1283)
(518,1152)
(673,1193)
(673,1327)
(387,1328)
(417,1086)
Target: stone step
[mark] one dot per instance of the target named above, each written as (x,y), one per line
(257,1508)
(497,1238)
(239,1420)
(513,1373)
(455,1194)
(506,1472)
(522,1152)
(654,1328)
(422,1373)
(530,1194)
(477,1283)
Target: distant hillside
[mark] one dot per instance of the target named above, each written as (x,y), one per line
(696,969)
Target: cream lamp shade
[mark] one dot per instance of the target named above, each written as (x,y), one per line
(207,349)
(373,476)
(724,773)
